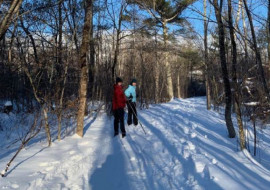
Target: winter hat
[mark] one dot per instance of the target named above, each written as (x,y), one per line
(118,79)
(133,81)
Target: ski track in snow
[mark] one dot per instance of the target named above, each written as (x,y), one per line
(185,148)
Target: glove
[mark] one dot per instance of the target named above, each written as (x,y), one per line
(130,97)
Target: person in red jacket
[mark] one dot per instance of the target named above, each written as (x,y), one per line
(119,103)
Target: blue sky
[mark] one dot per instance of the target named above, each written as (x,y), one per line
(258,7)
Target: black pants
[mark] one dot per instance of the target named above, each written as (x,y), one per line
(119,118)
(132,113)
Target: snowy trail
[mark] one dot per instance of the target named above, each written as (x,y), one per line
(185,148)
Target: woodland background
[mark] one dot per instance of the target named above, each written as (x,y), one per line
(58,57)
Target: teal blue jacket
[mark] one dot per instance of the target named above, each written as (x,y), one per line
(131,90)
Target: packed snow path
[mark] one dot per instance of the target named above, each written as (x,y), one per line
(186,147)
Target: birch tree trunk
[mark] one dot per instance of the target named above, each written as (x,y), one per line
(83,62)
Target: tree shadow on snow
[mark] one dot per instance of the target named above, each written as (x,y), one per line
(188,165)
(164,113)
(87,126)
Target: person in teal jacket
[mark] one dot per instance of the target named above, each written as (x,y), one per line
(130,93)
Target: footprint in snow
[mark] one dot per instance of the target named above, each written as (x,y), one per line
(133,137)
(186,154)
(214,178)
(76,187)
(190,146)
(44,164)
(182,140)
(214,161)
(186,130)
(186,122)
(76,158)
(15,186)
(72,152)
(49,168)
(199,166)
(194,126)
(84,143)
(193,135)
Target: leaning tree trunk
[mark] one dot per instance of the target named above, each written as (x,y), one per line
(167,65)
(257,52)
(225,75)
(234,79)
(8,17)
(83,62)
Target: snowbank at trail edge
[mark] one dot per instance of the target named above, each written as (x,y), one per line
(186,147)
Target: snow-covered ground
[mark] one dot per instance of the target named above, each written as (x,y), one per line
(186,147)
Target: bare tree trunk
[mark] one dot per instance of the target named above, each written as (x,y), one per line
(59,70)
(234,79)
(268,31)
(157,85)
(223,62)
(47,127)
(11,42)
(116,53)
(178,84)
(245,32)
(83,62)
(92,66)
(60,40)
(8,18)
(238,14)
(31,39)
(206,61)
(255,135)
(167,65)
(59,115)
(42,102)
(1,1)
(257,52)
(117,46)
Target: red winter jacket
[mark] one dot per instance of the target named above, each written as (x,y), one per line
(119,98)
